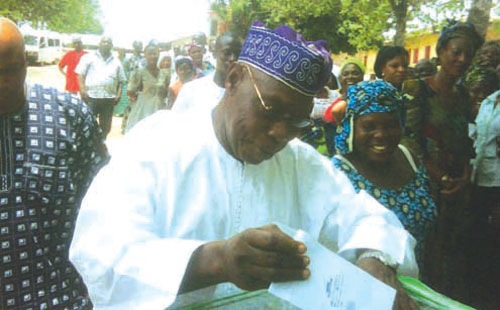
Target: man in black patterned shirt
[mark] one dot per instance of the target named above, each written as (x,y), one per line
(50,149)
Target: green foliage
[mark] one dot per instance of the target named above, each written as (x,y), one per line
(364,22)
(439,12)
(347,25)
(315,20)
(243,13)
(80,16)
(343,23)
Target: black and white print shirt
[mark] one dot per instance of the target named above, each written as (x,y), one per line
(49,151)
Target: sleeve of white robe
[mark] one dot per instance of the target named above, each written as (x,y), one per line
(128,265)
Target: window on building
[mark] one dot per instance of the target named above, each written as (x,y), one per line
(428,52)
(415,55)
(409,53)
(365,60)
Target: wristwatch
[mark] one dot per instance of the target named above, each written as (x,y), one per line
(382,257)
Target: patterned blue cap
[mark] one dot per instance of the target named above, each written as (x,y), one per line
(285,55)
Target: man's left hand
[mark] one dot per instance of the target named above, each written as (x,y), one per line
(388,275)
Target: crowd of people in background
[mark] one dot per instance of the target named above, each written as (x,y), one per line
(449,129)
(423,142)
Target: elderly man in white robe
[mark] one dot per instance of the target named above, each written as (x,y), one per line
(180,208)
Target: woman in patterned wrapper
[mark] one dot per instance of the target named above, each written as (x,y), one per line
(436,130)
(369,153)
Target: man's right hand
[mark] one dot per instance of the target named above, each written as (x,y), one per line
(256,257)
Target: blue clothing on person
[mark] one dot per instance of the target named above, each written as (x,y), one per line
(412,203)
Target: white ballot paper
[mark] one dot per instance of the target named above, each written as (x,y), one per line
(334,283)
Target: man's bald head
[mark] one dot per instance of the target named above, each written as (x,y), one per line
(12,67)
(11,39)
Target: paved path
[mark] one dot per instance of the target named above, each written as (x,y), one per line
(50,76)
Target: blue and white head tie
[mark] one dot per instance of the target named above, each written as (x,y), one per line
(365,98)
(285,55)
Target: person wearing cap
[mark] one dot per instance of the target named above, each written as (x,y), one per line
(195,209)
(69,61)
(204,94)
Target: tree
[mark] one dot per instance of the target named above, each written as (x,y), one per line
(315,20)
(243,13)
(364,22)
(340,22)
(400,11)
(479,15)
(348,25)
(59,15)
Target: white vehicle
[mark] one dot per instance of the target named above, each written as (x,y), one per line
(42,46)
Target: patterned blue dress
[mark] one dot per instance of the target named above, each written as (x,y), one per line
(412,203)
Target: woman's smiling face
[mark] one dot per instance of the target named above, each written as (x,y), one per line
(376,136)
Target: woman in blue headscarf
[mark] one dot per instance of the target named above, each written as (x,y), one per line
(369,153)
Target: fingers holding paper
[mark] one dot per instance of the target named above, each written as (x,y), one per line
(256,257)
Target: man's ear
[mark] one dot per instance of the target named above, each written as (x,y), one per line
(234,76)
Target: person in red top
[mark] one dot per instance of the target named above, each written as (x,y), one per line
(70,60)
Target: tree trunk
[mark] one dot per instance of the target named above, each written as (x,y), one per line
(400,10)
(479,15)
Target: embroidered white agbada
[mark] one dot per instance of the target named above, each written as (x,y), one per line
(173,187)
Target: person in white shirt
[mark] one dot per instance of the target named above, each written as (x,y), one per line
(204,93)
(483,252)
(100,77)
(178,210)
